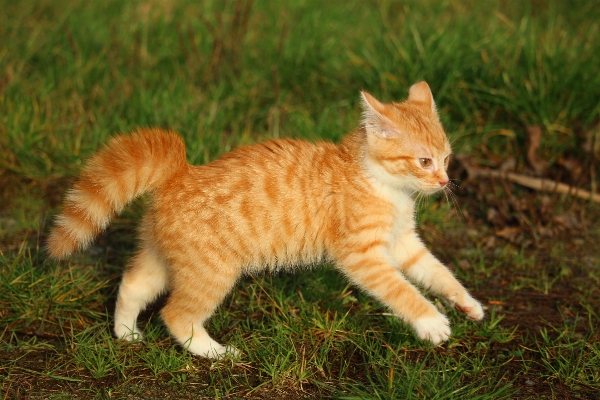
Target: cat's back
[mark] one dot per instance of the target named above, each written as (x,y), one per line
(271,200)
(273,158)
(268,167)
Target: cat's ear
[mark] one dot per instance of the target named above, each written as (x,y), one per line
(374,119)
(421,93)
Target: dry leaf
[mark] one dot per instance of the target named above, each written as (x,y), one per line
(509,165)
(464,265)
(534,138)
(572,165)
(509,233)
(568,220)
(592,140)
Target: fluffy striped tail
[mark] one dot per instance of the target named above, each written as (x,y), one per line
(127,167)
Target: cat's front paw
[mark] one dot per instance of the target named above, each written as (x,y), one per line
(436,329)
(468,305)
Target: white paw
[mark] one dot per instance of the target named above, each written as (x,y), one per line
(232,352)
(435,329)
(470,306)
(211,349)
(221,353)
(125,333)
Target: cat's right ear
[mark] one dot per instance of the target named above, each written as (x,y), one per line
(374,119)
(420,92)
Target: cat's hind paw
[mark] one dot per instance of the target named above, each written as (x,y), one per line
(129,335)
(207,347)
(221,353)
(434,329)
(232,352)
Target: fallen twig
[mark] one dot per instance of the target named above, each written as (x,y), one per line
(546,185)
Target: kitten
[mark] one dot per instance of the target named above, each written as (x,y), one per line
(272,206)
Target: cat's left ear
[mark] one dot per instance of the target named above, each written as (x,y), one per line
(421,93)
(374,117)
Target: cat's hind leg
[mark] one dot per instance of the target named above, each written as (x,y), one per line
(145,280)
(197,292)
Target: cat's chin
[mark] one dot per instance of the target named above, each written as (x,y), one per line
(431,191)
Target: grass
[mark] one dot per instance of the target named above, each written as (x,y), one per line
(225,74)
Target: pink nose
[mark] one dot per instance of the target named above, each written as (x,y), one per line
(443,183)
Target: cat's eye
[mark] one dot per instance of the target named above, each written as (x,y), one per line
(425,162)
(446,160)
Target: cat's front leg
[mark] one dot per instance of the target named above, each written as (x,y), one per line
(417,263)
(374,272)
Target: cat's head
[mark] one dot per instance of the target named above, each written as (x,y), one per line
(406,146)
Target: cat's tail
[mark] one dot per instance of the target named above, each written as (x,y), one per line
(127,167)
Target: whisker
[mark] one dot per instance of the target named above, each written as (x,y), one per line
(417,208)
(455,201)
(446,194)
(418,202)
(452,182)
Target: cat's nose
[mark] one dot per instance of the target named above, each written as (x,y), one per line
(443,183)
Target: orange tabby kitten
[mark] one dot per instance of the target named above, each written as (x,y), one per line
(270,206)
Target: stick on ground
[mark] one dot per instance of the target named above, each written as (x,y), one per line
(541,184)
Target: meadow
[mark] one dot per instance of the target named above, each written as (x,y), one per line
(230,73)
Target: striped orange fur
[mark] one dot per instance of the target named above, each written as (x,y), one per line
(269,206)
